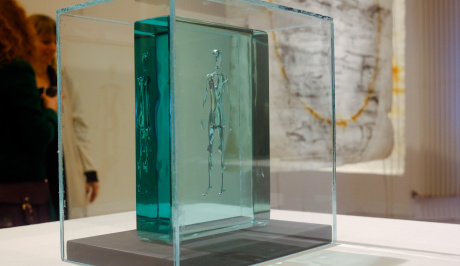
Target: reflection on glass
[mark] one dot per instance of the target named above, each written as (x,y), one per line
(221,73)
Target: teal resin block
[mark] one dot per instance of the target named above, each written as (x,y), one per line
(214,139)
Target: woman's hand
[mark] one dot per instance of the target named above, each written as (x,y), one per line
(50,102)
(92,190)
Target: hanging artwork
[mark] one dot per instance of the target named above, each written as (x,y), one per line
(363,83)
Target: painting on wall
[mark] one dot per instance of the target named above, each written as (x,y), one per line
(363,78)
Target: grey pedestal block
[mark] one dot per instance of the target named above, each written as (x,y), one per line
(244,247)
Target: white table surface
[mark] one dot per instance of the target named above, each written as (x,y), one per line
(361,241)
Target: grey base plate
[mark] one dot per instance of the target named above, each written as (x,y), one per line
(243,247)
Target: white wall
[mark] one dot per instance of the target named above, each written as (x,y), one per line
(100,64)
(360,194)
(357,193)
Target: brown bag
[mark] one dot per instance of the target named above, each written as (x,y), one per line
(24,203)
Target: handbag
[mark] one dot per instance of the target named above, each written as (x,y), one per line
(24,203)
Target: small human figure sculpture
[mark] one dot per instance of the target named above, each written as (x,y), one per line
(143,120)
(216,84)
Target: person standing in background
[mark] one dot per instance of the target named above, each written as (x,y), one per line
(80,175)
(45,75)
(27,126)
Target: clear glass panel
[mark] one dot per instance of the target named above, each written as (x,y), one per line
(230,102)
(96,61)
(293,59)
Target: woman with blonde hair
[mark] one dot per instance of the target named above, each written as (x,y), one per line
(27,126)
(80,177)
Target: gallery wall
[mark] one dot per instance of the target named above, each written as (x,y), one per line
(102,83)
(108,103)
(373,189)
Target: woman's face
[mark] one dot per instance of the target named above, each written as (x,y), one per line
(46,47)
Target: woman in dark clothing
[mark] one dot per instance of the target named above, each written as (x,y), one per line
(45,76)
(46,80)
(26,127)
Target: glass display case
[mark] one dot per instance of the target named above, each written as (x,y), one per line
(199,113)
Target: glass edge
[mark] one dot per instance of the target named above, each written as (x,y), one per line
(281,7)
(175,211)
(80,6)
(334,177)
(60,166)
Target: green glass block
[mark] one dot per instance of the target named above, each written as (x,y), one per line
(214,139)
(153,164)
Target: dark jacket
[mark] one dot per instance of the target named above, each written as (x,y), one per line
(26,129)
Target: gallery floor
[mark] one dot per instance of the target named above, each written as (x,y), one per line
(361,241)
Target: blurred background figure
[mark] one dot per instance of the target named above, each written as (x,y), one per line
(45,75)
(29,124)
(80,177)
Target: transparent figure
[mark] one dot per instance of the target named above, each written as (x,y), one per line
(143,120)
(216,83)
